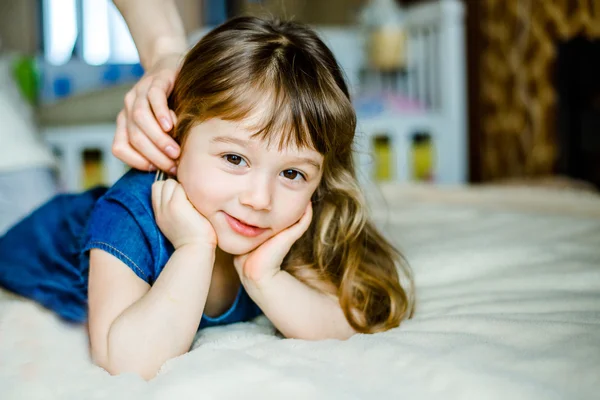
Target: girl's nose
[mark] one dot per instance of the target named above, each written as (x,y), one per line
(257,194)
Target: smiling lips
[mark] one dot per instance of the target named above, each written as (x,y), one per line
(243,228)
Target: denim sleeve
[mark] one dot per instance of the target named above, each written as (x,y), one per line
(127,231)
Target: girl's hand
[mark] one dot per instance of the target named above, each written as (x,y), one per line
(140,139)
(264,262)
(177,218)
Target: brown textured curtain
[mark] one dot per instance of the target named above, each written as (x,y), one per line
(515,87)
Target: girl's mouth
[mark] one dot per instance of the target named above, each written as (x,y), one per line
(242,228)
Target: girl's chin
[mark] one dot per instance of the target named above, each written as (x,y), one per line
(238,247)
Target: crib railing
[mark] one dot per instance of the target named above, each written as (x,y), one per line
(434,79)
(436,54)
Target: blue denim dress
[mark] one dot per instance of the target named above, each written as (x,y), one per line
(45,257)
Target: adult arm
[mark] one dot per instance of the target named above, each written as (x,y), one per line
(141,138)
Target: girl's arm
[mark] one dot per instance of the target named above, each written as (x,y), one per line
(135,327)
(297,310)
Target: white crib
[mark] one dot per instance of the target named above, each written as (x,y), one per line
(436,77)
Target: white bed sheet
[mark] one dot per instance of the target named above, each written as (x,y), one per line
(508,307)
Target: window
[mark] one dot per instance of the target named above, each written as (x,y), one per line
(91,30)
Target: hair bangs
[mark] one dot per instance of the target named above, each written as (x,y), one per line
(265,108)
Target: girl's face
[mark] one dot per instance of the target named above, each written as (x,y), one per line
(247,190)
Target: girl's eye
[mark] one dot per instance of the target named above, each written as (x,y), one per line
(234,159)
(292,174)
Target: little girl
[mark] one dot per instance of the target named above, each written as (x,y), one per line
(264,215)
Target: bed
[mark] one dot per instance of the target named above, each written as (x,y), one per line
(508,289)
(508,280)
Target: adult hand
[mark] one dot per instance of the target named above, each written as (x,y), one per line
(177,218)
(141,138)
(264,262)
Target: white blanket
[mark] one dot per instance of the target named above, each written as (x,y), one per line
(508,286)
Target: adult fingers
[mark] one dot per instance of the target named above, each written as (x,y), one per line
(162,140)
(157,96)
(146,148)
(122,149)
(141,121)
(154,97)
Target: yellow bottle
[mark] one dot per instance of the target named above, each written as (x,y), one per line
(93,173)
(422,157)
(383,158)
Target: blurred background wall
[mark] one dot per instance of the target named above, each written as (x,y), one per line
(527,117)
(19,25)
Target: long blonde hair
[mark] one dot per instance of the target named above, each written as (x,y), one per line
(285,65)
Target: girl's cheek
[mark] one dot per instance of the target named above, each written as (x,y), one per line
(217,184)
(289,212)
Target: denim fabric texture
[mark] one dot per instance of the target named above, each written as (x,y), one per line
(45,256)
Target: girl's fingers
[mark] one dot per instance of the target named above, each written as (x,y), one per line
(238,263)
(297,230)
(167,191)
(179,195)
(156,196)
(283,241)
